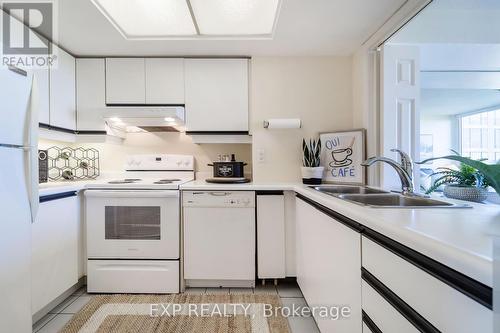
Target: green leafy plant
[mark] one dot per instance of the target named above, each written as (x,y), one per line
(311,153)
(483,175)
(465,176)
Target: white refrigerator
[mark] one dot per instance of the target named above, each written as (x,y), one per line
(18,195)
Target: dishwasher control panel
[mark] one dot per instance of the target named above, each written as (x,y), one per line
(235,199)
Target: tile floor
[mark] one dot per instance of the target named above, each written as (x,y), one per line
(289,293)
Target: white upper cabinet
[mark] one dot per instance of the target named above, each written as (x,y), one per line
(144,81)
(216,95)
(62,91)
(43,82)
(164,81)
(90,94)
(125,81)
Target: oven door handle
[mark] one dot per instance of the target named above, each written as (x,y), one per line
(131,194)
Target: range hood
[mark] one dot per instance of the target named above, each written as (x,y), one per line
(145,116)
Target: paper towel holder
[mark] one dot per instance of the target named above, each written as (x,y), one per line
(283,123)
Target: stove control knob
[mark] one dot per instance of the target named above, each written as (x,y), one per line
(246,201)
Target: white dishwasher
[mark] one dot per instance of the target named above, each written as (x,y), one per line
(219,238)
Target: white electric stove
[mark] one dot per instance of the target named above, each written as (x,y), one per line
(133,226)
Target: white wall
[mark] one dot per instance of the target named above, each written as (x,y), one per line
(316,89)
(112,156)
(443,128)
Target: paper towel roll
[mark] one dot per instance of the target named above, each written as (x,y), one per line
(282,123)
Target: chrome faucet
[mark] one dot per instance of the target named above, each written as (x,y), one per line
(403,169)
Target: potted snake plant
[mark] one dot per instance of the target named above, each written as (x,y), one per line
(470,182)
(312,172)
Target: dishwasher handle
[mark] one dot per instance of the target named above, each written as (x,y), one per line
(215,194)
(219,194)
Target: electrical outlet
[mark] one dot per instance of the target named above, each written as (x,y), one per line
(261,155)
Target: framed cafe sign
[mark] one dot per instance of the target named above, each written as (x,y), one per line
(342,154)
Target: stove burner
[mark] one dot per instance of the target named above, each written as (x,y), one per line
(132,179)
(170,180)
(120,182)
(163,181)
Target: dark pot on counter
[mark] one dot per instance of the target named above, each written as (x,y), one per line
(228,169)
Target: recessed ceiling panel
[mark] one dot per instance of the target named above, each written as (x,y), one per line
(140,19)
(235,17)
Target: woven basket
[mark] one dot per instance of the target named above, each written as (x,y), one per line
(467,193)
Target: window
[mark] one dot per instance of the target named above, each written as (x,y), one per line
(480,135)
(132,222)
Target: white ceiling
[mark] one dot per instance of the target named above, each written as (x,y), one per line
(454,21)
(448,102)
(304,27)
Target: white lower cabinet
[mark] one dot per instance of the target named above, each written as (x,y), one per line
(54,250)
(271,260)
(443,306)
(386,317)
(328,266)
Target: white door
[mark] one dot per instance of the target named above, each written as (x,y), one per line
(62,92)
(328,266)
(216,95)
(132,224)
(125,81)
(399,108)
(164,81)
(15,242)
(271,255)
(90,94)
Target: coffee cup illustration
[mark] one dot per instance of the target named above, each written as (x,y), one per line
(341,157)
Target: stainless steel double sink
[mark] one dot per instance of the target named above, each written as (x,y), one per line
(367,196)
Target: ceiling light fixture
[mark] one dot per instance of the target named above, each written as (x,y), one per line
(192,19)
(235,17)
(139,19)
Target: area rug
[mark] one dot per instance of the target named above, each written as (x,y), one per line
(180,313)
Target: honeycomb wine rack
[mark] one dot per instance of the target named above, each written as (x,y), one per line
(72,163)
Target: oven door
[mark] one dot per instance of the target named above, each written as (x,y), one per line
(132,224)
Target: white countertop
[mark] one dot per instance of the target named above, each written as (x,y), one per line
(62,186)
(457,238)
(203,185)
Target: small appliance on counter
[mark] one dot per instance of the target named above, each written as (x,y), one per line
(43,166)
(228,170)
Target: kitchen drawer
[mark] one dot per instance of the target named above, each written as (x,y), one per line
(383,314)
(133,276)
(446,308)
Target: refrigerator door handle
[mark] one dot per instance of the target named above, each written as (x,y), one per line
(32,181)
(32,152)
